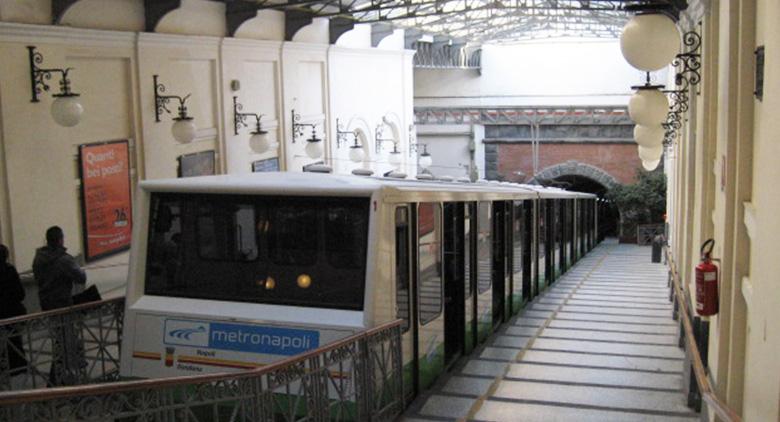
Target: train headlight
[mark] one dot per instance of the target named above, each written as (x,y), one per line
(270,283)
(304,281)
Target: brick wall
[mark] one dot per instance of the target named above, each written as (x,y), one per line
(620,160)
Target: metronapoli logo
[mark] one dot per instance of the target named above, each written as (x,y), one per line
(186,333)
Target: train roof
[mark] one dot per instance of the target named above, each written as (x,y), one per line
(294,183)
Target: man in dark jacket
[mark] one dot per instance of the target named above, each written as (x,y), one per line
(56,271)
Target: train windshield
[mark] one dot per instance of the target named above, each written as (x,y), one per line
(298,251)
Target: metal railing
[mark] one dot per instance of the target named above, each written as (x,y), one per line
(702,388)
(68,346)
(359,378)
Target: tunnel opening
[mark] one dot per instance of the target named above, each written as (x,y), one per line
(608,215)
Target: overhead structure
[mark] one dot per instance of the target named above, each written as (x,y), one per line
(474,22)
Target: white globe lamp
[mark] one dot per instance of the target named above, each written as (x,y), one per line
(313,149)
(648,106)
(183,129)
(259,142)
(394,158)
(650,165)
(651,154)
(425,160)
(66,110)
(650,41)
(356,153)
(649,136)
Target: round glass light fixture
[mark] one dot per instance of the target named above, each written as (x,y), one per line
(649,136)
(394,157)
(650,41)
(66,110)
(648,107)
(356,153)
(313,149)
(650,165)
(259,142)
(183,129)
(650,154)
(425,160)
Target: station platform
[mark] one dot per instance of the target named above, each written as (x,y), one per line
(599,345)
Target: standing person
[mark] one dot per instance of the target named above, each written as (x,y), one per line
(56,272)
(11,297)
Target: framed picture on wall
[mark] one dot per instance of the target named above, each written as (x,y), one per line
(104,169)
(197,164)
(271,164)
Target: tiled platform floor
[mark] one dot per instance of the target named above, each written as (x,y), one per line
(599,345)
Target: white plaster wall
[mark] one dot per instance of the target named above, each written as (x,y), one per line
(367,85)
(393,42)
(563,72)
(256,65)
(122,15)
(305,69)
(41,183)
(358,37)
(267,25)
(317,32)
(185,65)
(26,11)
(195,17)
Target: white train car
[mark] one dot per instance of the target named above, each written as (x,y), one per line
(235,272)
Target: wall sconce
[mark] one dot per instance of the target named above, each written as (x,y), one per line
(66,109)
(425,159)
(356,153)
(394,157)
(183,128)
(258,142)
(314,144)
(688,65)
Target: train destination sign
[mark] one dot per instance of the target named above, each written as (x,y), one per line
(105,198)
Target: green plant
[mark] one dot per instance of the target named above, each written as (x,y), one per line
(643,202)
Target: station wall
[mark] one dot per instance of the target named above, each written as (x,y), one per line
(114,67)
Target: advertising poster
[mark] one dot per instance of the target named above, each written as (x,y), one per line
(105,193)
(197,164)
(271,164)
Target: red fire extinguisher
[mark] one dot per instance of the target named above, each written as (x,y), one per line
(707,282)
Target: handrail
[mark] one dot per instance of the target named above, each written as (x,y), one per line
(24,396)
(59,311)
(717,405)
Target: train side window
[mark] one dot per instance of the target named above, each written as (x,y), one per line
(164,259)
(429,261)
(484,247)
(226,232)
(402,266)
(292,235)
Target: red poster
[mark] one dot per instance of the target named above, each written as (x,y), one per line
(105,192)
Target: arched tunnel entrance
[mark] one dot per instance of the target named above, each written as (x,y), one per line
(581,177)
(609,217)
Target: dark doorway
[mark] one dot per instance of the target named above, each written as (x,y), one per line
(608,217)
(499,265)
(454,281)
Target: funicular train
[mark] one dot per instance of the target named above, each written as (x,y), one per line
(232,272)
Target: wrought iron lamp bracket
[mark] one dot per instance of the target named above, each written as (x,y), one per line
(379,140)
(688,65)
(161,102)
(297,128)
(39,76)
(342,135)
(415,147)
(239,119)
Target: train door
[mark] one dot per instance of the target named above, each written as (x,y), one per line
(454,291)
(519,295)
(499,262)
(484,259)
(428,289)
(405,299)
(529,259)
(469,275)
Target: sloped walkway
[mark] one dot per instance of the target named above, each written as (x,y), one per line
(599,345)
